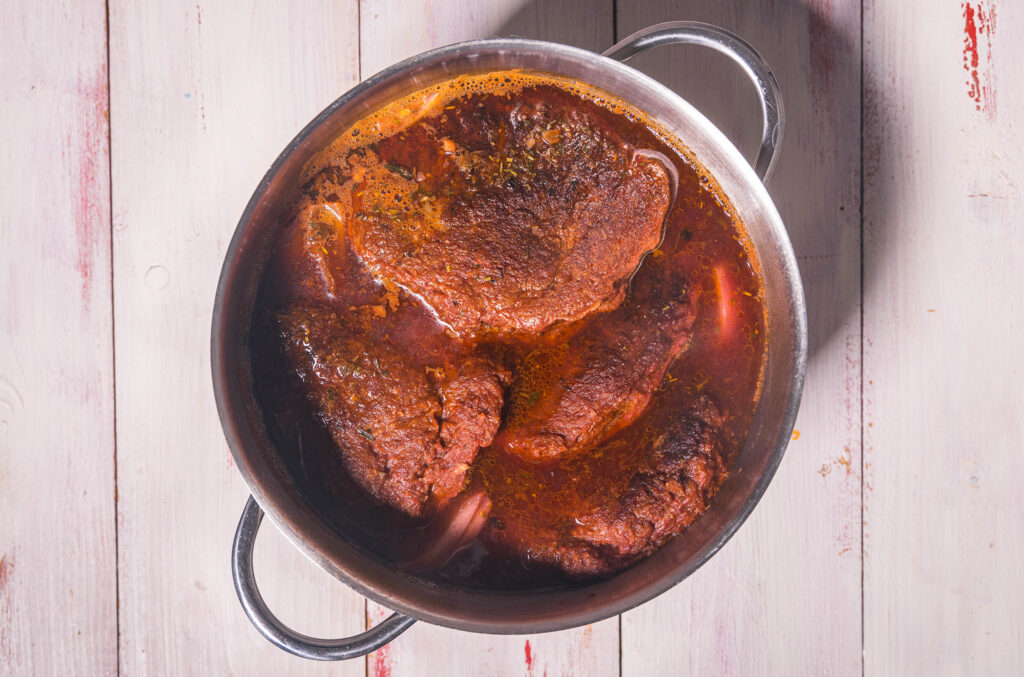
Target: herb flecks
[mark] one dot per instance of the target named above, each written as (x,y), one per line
(398,169)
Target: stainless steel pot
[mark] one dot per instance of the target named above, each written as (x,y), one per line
(272,487)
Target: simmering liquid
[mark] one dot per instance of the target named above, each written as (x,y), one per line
(404,172)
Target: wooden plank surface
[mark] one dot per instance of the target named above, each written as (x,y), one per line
(204,97)
(58,606)
(390,31)
(943,407)
(783,597)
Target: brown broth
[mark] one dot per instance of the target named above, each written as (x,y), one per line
(702,237)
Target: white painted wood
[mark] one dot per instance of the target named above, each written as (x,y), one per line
(783,597)
(390,31)
(944,407)
(393,29)
(58,608)
(203,98)
(430,650)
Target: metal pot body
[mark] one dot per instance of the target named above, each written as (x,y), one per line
(473,609)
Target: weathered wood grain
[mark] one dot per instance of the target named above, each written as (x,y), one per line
(58,607)
(784,596)
(203,98)
(944,407)
(391,31)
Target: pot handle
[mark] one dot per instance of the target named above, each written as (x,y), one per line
(720,40)
(280,634)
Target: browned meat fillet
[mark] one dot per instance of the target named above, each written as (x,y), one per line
(407,433)
(542,223)
(683,467)
(568,397)
(319,265)
(408,411)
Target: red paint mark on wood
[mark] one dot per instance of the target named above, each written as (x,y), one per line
(6,612)
(847,501)
(200,97)
(6,569)
(87,144)
(979,25)
(379,662)
(723,642)
(528,651)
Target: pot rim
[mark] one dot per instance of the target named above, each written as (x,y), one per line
(302,538)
